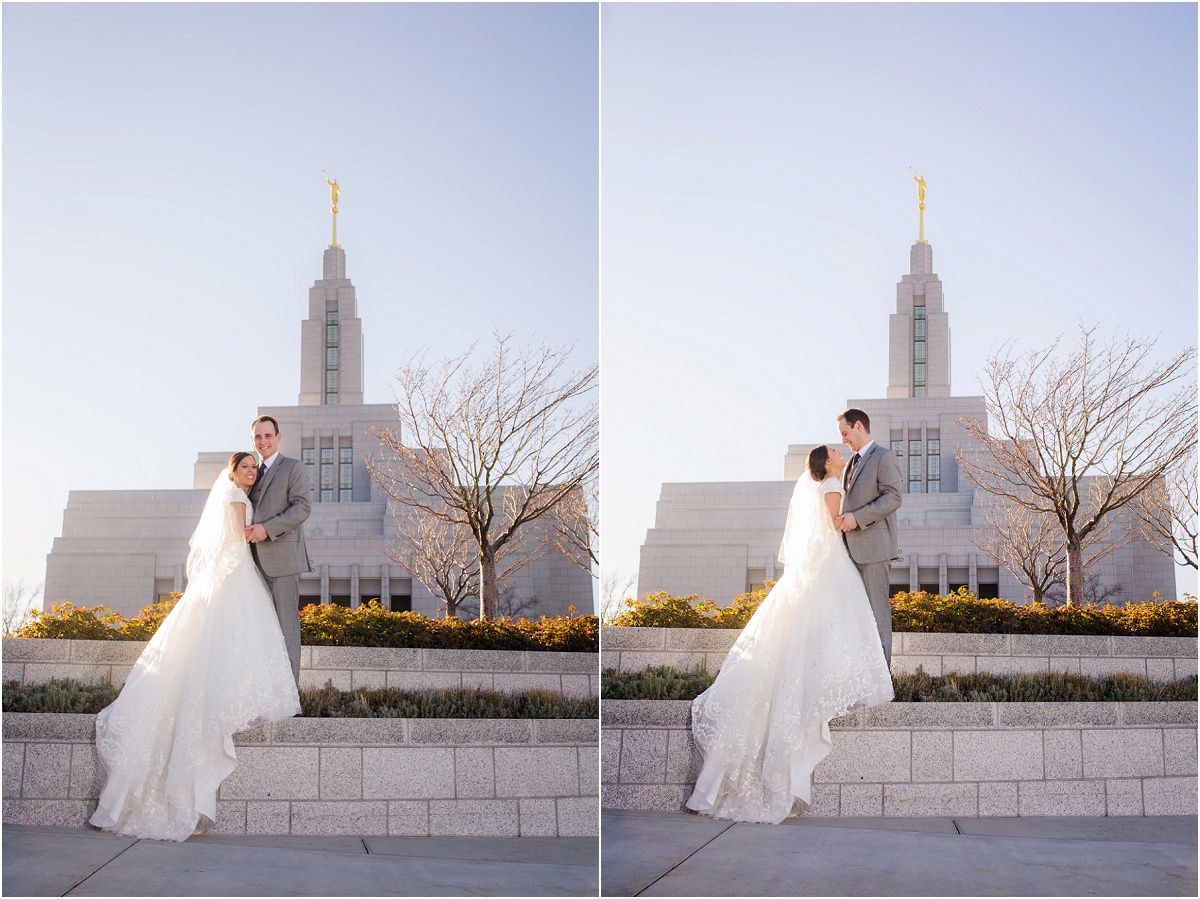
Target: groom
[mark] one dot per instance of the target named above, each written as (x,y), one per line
(868,519)
(280,499)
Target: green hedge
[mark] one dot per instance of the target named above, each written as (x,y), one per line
(960,612)
(69,696)
(667,683)
(333,625)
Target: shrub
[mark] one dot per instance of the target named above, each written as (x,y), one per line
(655,683)
(68,696)
(333,625)
(329,702)
(960,612)
(373,625)
(664,610)
(666,683)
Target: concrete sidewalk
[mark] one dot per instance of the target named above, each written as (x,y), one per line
(681,854)
(70,861)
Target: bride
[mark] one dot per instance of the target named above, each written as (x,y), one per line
(810,653)
(216,665)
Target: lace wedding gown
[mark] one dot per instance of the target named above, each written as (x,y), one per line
(810,653)
(216,665)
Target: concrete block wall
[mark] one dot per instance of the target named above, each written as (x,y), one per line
(941,759)
(575,674)
(1160,658)
(323,776)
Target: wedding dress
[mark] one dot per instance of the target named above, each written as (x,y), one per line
(810,653)
(216,665)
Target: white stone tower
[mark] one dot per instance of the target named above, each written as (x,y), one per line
(331,339)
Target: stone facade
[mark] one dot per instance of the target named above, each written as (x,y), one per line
(720,539)
(126,549)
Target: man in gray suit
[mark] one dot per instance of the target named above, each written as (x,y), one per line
(280,499)
(868,519)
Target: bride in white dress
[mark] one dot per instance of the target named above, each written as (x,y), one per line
(810,653)
(216,665)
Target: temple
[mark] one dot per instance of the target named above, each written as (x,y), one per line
(126,549)
(721,539)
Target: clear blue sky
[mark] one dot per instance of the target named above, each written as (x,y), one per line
(165,215)
(756,195)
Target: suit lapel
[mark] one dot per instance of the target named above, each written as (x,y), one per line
(862,460)
(261,488)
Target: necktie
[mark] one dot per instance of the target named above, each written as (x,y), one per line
(850,468)
(262,471)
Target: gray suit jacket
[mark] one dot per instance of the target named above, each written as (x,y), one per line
(281,505)
(873,495)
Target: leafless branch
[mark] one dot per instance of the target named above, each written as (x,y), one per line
(1079,434)
(493,448)
(1165,515)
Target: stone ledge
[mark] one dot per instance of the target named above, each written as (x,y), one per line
(942,759)
(423,777)
(36,660)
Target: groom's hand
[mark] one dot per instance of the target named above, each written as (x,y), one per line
(256,533)
(846,522)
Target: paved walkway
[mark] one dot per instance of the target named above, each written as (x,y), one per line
(680,854)
(72,861)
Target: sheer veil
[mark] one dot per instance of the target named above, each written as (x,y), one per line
(809,536)
(219,542)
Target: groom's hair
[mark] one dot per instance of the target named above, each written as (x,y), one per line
(263,418)
(854,416)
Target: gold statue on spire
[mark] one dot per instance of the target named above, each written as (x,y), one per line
(334,193)
(920,203)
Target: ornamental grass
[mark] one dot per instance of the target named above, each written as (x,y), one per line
(666,683)
(959,612)
(69,696)
(333,625)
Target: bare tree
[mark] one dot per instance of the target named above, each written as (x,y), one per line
(494,447)
(441,554)
(614,587)
(19,598)
(1080,435)
(1095,591)
(1027,543)
(574,527)
(1165,515)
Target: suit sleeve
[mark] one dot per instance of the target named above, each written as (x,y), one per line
(298,507)
(890,495)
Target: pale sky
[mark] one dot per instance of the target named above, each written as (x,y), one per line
(165,213)
(758,208)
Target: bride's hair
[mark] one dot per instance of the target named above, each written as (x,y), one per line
(234,461)
(818,458)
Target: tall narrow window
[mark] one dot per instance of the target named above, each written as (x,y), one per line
(918,350)
(345,475)
(332,355)
(309,457)
(934,469)
(327,495)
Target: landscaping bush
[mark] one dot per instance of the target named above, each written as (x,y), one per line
(68,696)
(664,610)
(960,612)
(463,702)
(667,683)
(333,625)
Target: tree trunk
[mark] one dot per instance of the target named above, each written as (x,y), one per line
(489,593)
(1074,573)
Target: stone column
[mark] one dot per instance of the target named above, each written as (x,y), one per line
(325,585)
(972,574)
(943,580)
(914,574)
(355,599)
(385,586)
